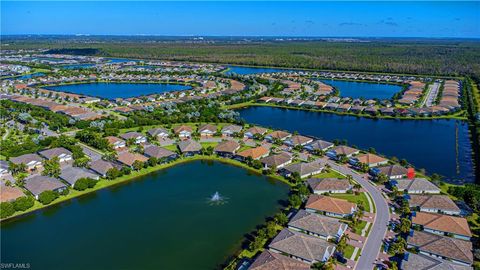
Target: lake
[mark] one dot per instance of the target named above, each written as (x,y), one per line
(162,221)
(240,70)
(119,90)
(428,144)
(364,89)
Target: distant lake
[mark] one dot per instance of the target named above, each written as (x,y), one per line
(161,221)
(118,90)
(121,60)
(253,70)
(428,144)
(364,89)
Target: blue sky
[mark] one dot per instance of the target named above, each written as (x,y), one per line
(326,19)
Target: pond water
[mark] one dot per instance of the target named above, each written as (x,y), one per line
(364,89)
(161,221)
(118,90)
(439,146)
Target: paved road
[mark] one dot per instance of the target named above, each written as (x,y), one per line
(431,95)
(379,228)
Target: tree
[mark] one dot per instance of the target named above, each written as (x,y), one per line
(47,197)
(398,246)
(6,209)
(51,167)
(17,168)
(382,178)
(295,201)
(84,183)
(137,165)
(23,203)
(126,170)
(342,243)
(303,191)
(81,162)
(281,219)
(113,173)
(405,225)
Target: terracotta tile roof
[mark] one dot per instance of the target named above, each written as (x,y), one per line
(300,140)
(113,139)
(444,223)
(274,161)
(256,130)
(255,153)
(393,170)
(227,147)
(182,128)
(329,204)
(269,260)
(128,158)
(8,194)
(370,159)
(207,127)
(345,150)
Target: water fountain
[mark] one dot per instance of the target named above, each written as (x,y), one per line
(217,199)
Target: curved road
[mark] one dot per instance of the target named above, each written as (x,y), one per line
(374,240)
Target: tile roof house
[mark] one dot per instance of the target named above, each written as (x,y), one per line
(32,161)
(303,169)
(251,132)
(317,225)
(269,260)
(391,171)
(189,147)
(329,185)
(127,158)
(230,130)
(39,183)
(63,154)
(319,145)
(415,186)
(183,131)
(447,248)
(296,140)
(9,193)
(330,206)
(434,204)
(277,135)
(227,148)
(137,136)
(277,161)
(159,133)
(342,150)
(116,142)
(255,153)
(443,224)
(101,166)
(303,247)
(159,152)
(419,261)
(72,174)
(207,130)
(371,160)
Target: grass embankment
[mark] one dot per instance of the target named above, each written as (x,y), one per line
(362,198)
(103,183)
(460,115)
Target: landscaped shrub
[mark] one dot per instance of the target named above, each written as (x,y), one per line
(47,197)
(6,209)
(23,203)
(84,183)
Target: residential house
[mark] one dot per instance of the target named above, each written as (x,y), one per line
(277,135)
(158,133)
(32,161)
(371,160)
(318,145)
(189,147)
(391,171)
(183,131)
(207,130)
(303,247)
(9,193)
(72,174)
(116,143)
(277,161)
(434,204)
(443,224)
(329,185)
(297,140)
(138,137)
(342,150)
(159,153)
(253,131)
(128,158)
(447,248)
(330,206)
(419,261)
(317,225)
(303,169)
(227,148)
(415,186)
(40,183)
(230,130)
(255,153)
(63,154)
(101,166)
(268,260)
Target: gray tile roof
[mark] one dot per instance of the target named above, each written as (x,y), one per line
(54,152)
(315,223)
(304,168)
(39,183)
(269,260)
(189,146)
(72,174)
(393,170)
(101,166)
(274,161)
(26,158)
(132,134)
(320,145)
(156,131)
(424,262)
(331,184)
(158,152)
(416,184)
(440,202)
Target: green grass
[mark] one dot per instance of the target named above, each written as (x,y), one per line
(348,251)
(362,197)
(330,174)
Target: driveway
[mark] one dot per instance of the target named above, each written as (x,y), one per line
(377,233)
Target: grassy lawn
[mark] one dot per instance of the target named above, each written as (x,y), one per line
(208,144)
(360,226)
(172,147)
(362,197)
(348,251)
(330,174)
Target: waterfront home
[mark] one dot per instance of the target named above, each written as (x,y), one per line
(127,158)
(391,171)
(32,161)
(329,185)
(303,169)
(419,261)
(63,154)
(371,160)
(277,135)
(357,108)
(415,186)
(434,204)
(9,193)
(268,260)
(298,140)
(303,247)
(317,225)
(342,150)
(101,166)
(159,153)
(371,110)
(277,161)
(330,206)
(40,183)
(158,133)
(189,147)
(319,145)
(443,224)
(138,137)
(227,148)
(255,131)
(116,143)
(183,131)
(448,248)
(254,153)
(230,130)
(72,174)
(207,130)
